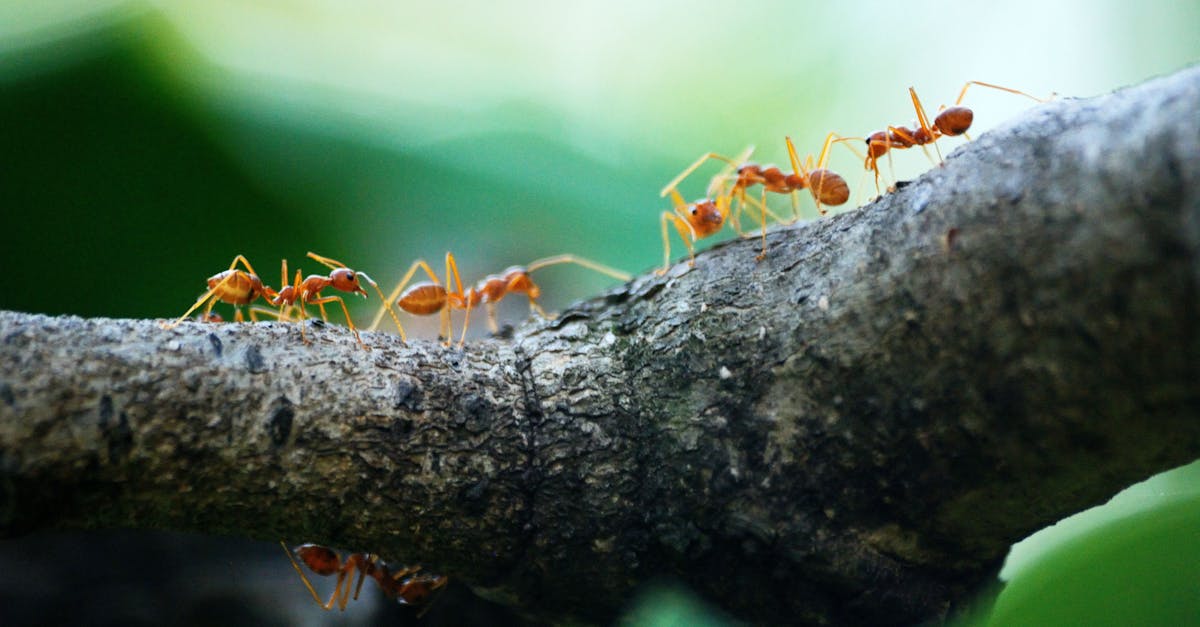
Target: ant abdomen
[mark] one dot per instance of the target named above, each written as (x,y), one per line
(423,299)
(954,121)
(829,187)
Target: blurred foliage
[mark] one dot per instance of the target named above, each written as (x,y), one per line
(1143,569)
(144,144)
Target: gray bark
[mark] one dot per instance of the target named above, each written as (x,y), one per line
(852,431)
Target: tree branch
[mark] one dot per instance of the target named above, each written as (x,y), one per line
(854,430)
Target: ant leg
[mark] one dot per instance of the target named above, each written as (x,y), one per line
(801,171)
(735,216)
(815,190)
(535,308)
(490,309)
(320,302)
(209,297)
(369,280)
(332,264)
(283,284)
(923,120)
(579,261)
(910,140)
(678,205)
(447,326)
(762,206)
(869,163)
(462,338)
(728,172)
(346,576)
(211,292)
(342,596)
(692,168)
(824,158)
(391,298)
(716,187)
(307,583)
(766,210)
(245,264)
(257,310)
(685,231)
(362,573)
(962,94)
(301,317)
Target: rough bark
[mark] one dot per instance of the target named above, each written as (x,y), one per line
(852,431)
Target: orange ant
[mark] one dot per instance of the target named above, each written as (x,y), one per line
(307,291)
(827,188)
(405,584)
(430,297)
(699,219)
(233,286)
(950,122)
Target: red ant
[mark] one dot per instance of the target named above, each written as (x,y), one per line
(827,188)
(950,122)
(699,219)
(307,291)
(430,297)
(405,584)
(233,286)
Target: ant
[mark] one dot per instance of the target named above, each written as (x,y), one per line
(234,286)
(405,584)
(699,219)
(950,122)
(307,291)
(827,188)
(430,297)
(747,175)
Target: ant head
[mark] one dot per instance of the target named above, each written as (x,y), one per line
(706,217)
(706,211)
(346,280)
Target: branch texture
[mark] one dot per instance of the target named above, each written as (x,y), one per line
(852,431)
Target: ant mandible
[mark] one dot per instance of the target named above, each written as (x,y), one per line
(307,291)
(405,584)
(234,286)
(430,297)
(950,122)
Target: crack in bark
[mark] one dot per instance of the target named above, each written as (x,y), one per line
(531,474)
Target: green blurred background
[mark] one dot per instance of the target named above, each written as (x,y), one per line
(144,144)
